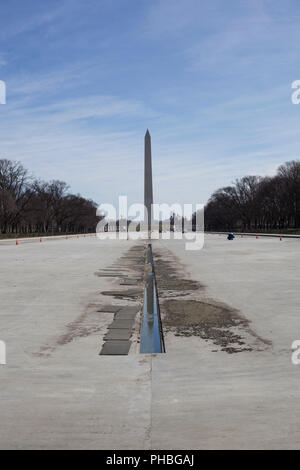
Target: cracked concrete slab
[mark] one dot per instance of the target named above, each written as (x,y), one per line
(118,334)
(125,316)
(115,348)
(129,310)
(122,323)
(129,282)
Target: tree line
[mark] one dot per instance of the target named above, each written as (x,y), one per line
(252,203)
(32,206)
(255,203)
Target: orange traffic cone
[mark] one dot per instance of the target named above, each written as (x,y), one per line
(41,240)
(17,243)
(281,239)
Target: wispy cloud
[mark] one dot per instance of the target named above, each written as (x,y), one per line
(210,79)
(2,60)
(30,20)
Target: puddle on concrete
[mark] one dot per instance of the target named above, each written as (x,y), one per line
(130,273)
(209,320)
(127,269)
(187,312)
(170,282)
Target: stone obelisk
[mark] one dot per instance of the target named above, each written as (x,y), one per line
(148,196)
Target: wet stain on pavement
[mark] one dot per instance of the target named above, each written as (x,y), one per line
(186,310)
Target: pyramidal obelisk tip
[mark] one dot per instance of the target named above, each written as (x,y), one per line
(147,133)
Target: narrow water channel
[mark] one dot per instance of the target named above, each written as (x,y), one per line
(152,340)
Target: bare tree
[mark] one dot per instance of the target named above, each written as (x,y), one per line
(15,193)
(35,206)
(256,203)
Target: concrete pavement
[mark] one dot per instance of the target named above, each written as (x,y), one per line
(58,393)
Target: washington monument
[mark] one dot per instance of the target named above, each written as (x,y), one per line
(148,188)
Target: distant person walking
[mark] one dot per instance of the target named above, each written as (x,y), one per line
(230,236)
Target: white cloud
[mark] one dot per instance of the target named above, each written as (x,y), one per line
(26,23)
(84,120)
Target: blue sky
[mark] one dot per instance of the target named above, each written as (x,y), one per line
(210,79)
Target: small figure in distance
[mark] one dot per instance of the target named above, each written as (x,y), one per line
(230,236)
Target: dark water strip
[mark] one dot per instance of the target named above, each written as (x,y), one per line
(152,335)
